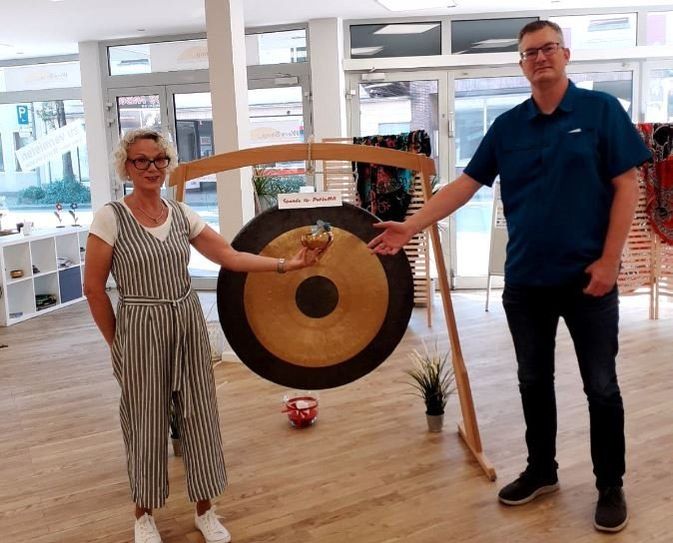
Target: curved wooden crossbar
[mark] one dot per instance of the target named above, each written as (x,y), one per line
(425,166)
(295,152)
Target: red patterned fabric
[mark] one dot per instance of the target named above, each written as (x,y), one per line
(658,176)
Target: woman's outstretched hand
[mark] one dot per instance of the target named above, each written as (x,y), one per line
(303,259)
(395,235)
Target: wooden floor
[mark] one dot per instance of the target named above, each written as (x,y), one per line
(367,472)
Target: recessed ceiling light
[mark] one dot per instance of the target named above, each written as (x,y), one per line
(366,50)
(406,5)
(495,43)
(405,28)
(57,0)
(141,29)
(20,53)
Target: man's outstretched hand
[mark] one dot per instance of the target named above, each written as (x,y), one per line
(395,235)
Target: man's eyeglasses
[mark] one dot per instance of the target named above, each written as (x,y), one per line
(548,49)
(144,163)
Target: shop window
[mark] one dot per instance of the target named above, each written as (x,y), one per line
(55,75)
(18,143)
(659,28)
(487,35)
(287,46)
(396,40)
(598,31)
(284,47)
(45,162)
(170,56)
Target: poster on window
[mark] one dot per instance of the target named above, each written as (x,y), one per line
(51,146)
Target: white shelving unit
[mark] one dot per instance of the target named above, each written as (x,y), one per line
(52,262)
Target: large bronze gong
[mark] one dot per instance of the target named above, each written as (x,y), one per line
(323,326)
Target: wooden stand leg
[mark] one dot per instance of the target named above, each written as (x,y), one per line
(469,429)
(479,455)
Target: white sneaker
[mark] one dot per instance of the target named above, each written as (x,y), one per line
(146,531)
(211,527)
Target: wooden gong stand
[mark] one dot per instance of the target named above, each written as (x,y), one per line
(468,429)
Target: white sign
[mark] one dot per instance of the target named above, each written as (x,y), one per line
(179,55)
(302,200)
(42,76)
(51,146)
(275,131)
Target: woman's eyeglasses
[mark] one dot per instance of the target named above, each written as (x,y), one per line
(144,163)
(548,49)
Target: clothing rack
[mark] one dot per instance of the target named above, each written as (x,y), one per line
(647,261)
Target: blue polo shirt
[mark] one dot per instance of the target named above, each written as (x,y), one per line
(556,176)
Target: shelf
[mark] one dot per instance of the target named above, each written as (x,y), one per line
(17,257)
(21,299)
(18,280)
(67,247)
(43,255)
(70,284)
(41,251)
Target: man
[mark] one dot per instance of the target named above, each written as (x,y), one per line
(566,159)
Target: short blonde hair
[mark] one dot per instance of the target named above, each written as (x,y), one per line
(120,154)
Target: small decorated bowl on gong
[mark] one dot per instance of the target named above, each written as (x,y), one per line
(319,237)
(15,274)
(302,411)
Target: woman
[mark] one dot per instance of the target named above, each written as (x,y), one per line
(158,338)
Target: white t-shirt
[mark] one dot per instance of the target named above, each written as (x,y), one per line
(104,224)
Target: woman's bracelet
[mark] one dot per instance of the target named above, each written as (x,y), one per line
(280,265)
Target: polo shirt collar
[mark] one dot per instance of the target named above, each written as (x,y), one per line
(566,103)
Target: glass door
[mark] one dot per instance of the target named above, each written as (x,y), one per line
(183,112)
(478,99)
(138,107)
(394,103)
(191,120)
(615,79)
(279,109)
(480,96)
(658,92)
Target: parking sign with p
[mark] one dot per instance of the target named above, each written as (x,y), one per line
(22,114)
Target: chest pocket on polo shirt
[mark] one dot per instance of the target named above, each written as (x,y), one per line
(578,144)
(521,161)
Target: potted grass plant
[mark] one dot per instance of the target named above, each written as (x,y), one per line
(433,380)
(265,188)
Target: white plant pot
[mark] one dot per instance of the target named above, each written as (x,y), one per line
(435,423)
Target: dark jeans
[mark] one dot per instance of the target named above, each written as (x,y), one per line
(533,314)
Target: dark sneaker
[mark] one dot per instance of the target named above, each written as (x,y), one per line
(611,513)
(526,488)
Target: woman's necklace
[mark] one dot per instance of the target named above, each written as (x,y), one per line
(155,219)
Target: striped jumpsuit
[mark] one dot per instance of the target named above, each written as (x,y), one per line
(161,350)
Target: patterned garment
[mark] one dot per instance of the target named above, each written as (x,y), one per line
(161,352)
(658,176)
(383,190)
